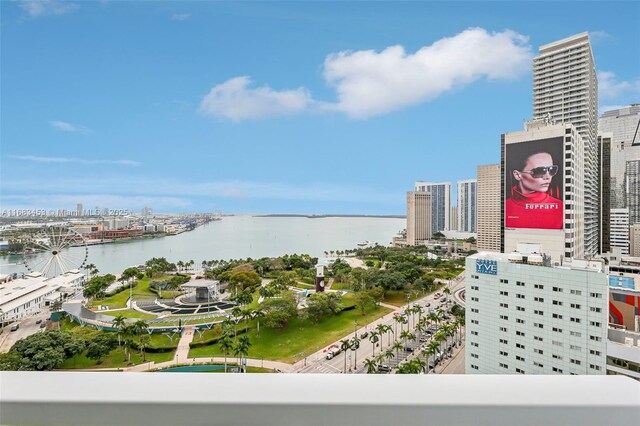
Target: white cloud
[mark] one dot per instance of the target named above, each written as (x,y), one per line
(180,16)
(37,8)
(37,159)
(370,83)
(68,127)
(148,187)
(599,35)
(113,201)
(610,87)
(235,100)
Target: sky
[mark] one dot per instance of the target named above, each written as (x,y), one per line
(275,107)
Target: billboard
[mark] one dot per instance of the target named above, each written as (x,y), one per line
(534,184)
(486,266)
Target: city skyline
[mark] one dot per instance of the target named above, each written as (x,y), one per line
(267,108)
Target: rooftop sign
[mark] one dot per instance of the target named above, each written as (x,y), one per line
(484,266)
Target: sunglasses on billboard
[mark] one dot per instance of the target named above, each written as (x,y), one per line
(538,172)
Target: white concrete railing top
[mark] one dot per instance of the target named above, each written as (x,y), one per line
(44,398)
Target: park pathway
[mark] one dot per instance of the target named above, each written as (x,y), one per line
(182,352)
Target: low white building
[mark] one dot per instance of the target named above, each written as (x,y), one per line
(27,296)
(525,316)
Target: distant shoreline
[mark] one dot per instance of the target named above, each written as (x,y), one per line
(320,216)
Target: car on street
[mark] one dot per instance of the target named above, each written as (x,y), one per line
(38,321)
(364,335)
(384,368)
(408,349)
(15,327)
(427,304)
(424,339)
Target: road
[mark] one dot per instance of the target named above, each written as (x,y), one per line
(317,362)
(28,327)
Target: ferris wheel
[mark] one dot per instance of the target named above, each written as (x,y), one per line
(54,250)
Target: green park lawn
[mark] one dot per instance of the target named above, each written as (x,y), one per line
(115,359)
(399,297)
(299,339)
(139,288)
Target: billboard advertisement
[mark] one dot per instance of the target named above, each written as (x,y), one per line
(534,184)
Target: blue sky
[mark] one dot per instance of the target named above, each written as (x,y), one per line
(275,107)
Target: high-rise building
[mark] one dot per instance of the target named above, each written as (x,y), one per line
(526,316)
(565,88)
(440,203)
(604,145)
(418,217)
(454,218)
(79,210)
(634,240)
(543,189)
(467,205)
(619,226)
(619,136)
(489,208)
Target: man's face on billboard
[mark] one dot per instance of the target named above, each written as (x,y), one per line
(527,182)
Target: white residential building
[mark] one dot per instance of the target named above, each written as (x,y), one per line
(565,87)
(619,228)
(525,316)
(467,205)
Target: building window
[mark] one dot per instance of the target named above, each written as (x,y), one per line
(538,325)
(593,352)
(520,308)
(504,305)
(504,365)
(594,309)
(537,364)
(520,283)
(596,295)
(595,323)
(558,289)
(576,320)
(557,302)
(575,361)
(474,322)
(503,341)
(474,356)
(556,370)
(519,358)
(475,333)
(595,338)
(575,306)
(503,353)
(538,312)
(519,346)
(520,296)
(595,367)
(577,292)
(538,338)
(576,333)
(504,281)
(538,351)
(504,293)
(504,317)
(556,343)
(558,316)
(538,299)
(503,329)
(474,310)
(519,321)
(557,330)
(575,348)
(475,367)
(519,333)
(474,299)
(539,286)
(556,357)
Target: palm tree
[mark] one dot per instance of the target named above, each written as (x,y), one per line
(397,345)
(143,343)
(371,365)
(419,365)
(241,349)
(140,327)
(381,357)
(373,338)
(236,313)
(257,314)
(226,345)
(389,353)
(118,322)
(433,317)
(432,349)
(381,329)
(397,319)
(180,265)
(345,344)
